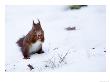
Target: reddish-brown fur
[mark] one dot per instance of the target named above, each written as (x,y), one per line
(36,33)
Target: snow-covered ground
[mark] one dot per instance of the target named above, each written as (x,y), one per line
(80,50)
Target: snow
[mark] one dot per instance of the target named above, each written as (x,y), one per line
(80,50)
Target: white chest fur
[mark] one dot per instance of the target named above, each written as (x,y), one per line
(35,46)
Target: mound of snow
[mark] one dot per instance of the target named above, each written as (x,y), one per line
(80,50)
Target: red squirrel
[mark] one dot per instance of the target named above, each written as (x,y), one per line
(32,42)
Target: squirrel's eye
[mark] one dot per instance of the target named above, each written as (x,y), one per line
(34,30)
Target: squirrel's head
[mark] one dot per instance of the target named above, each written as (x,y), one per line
(36,26)
(37,30)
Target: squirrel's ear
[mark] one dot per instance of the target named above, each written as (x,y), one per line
(38,21)
(33,22)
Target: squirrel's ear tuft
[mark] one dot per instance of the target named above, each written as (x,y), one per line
(38,21)
(33,22)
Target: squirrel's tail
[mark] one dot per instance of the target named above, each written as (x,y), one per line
(20,41)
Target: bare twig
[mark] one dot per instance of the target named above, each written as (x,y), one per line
(62,59)
(52,63)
